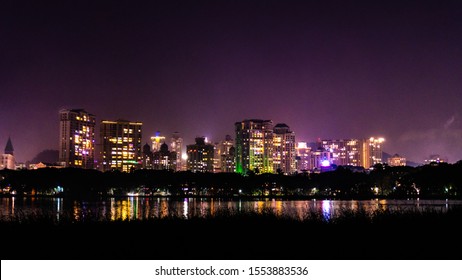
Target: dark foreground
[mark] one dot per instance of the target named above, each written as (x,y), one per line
(384,235)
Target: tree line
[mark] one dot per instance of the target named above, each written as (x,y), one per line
(431,180)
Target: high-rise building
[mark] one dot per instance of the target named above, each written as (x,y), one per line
(396,160)
(147,156)
(77,138)
(7,159)
(224,155)
(254,146)
(303,157)
(157,141)
(164,159)
(283,149)
(372,152)
(200,156)
(176,146)
(344,151)
(121,145)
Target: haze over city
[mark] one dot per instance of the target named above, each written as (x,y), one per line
(329,70)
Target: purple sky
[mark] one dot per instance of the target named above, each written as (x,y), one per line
(348,70)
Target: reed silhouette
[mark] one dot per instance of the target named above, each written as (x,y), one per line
(384,234)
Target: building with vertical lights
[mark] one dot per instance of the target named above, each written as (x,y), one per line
(372,152)
(121,145)
(7,158)
(283,149)
(164,159)
(254,146)
(157,141)
(200,156)
(176,146)
(77,138)
(396,160)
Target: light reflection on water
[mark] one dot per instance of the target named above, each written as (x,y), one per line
(136,208)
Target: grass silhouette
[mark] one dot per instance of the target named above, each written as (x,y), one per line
(381,234)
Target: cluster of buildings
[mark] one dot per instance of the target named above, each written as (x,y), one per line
(259,146)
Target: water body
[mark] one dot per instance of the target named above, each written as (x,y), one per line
(139,208)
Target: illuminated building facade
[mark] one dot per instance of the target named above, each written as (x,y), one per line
(254,146)
(372,152)
(77,138)
(224,155)
(283,149)
(321,160)
(303,157)
(7,159)
(121,145)
(200,156)
(164,159)
(176,146)
(396,160)
(344,151)
(157,141)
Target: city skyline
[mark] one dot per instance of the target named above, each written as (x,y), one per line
(329,71)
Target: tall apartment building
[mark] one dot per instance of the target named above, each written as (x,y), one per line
(284,149)
(372,151)
(303,157)
(254,146)
(176,146)
(77,138)
(200,156)
(224,155)
(121,145)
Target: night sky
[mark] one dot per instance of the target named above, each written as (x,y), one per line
(328,69)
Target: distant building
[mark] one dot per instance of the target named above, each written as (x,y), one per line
(303,157)
(176,146)
(44,165)
(283,149)
(435,159)
(121,145)
(164,159)
(77,138)
(157,141)
(321,160)
(346,152)
(254,146)
(224,155)
(200,156)
(147,156)
(7,160)
(372,152)
(396,160)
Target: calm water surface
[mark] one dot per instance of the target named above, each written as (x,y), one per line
(136,208)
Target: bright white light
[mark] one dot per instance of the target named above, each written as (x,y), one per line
(325,163)
(184,156)
(302,145)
